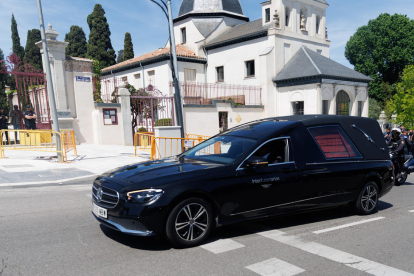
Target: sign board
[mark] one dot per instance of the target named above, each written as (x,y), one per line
(85,79)
(108,121)
(188,144)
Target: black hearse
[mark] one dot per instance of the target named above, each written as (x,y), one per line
(260,169)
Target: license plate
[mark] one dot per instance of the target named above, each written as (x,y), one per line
(98,211)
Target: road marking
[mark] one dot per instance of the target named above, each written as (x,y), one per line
(275,267)
(347,225)
(412,211)
(335,255)
(221,246)
(47,182)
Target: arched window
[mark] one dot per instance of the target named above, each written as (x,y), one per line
(318,24)
(287,16)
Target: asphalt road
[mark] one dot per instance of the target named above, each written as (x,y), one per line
(49,230)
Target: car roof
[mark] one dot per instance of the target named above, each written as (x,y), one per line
(355,127)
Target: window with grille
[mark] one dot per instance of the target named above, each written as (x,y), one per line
(137,83)
(333,142)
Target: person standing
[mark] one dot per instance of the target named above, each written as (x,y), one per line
(15,120)
(3,124)
(29,118)
(387,135)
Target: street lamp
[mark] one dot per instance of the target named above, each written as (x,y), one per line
(50,88)
(166,8)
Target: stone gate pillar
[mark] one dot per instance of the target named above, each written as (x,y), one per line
(57,59)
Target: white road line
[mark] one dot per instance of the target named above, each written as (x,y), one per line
(411,211)
(221,246)
(347,225)
(47,182)
(275,267)
(335,255)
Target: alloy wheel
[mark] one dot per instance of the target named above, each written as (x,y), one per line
(369,198)
(192,222)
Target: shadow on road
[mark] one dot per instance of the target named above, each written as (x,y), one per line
(239,229)
(142,243)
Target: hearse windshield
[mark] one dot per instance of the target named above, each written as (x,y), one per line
(222,149)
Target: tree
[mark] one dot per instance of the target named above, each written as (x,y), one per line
(32,52)
(403,100)
(3,96)
(128,47)
(374,109)
(382,49)
(17,48)
(77,46)
(120,57)
(99,44)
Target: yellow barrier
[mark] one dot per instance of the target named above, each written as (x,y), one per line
(69,144)
(38,140)
(196,136)
(143,141)
(162,147)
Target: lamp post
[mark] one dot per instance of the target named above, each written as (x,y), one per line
(51,92)
(166,8)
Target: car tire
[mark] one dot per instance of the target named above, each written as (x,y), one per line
(401,180)
(189,223)
(367,201)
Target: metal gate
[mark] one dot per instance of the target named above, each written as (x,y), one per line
(149,112)
(31,89)
(342,103)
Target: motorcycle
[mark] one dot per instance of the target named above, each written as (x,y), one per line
(407,167)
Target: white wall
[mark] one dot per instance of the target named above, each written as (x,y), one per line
(233,58)
(81,104)
(205,120)
(107,134)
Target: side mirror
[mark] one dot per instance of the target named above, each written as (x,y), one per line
(257,162)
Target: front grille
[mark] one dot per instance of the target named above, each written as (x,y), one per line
(109,197)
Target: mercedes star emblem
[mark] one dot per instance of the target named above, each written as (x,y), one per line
(99,195)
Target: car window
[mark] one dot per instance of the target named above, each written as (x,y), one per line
(274,151)
(333,142)
(222,149)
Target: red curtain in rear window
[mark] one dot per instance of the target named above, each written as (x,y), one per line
(333,143)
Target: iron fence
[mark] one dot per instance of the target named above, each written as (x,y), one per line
(106,88)
(204,93)
(149,112)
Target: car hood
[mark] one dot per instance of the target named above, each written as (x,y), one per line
(141,172)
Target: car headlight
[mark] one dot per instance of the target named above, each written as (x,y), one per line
(145,196)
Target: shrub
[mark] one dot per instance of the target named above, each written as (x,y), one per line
(163,122)
(142,129)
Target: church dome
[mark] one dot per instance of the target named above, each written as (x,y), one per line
(210,6)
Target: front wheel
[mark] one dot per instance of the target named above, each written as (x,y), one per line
(189,223)
(368,199)
(401,178)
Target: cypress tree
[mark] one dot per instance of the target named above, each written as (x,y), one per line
(17,48)
(120,57)
(32,52)
(128,47)
(3,96)
(99,44)
(77,42)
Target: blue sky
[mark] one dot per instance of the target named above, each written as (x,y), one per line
(147,25)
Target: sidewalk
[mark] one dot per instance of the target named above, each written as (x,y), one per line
(27,167)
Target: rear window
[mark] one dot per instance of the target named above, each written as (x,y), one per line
(333,142)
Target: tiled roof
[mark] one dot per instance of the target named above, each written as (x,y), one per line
(307,63)
(181,52)
(240,30)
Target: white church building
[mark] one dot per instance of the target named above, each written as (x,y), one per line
(234,70)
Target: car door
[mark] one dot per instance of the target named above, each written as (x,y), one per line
(266,190)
